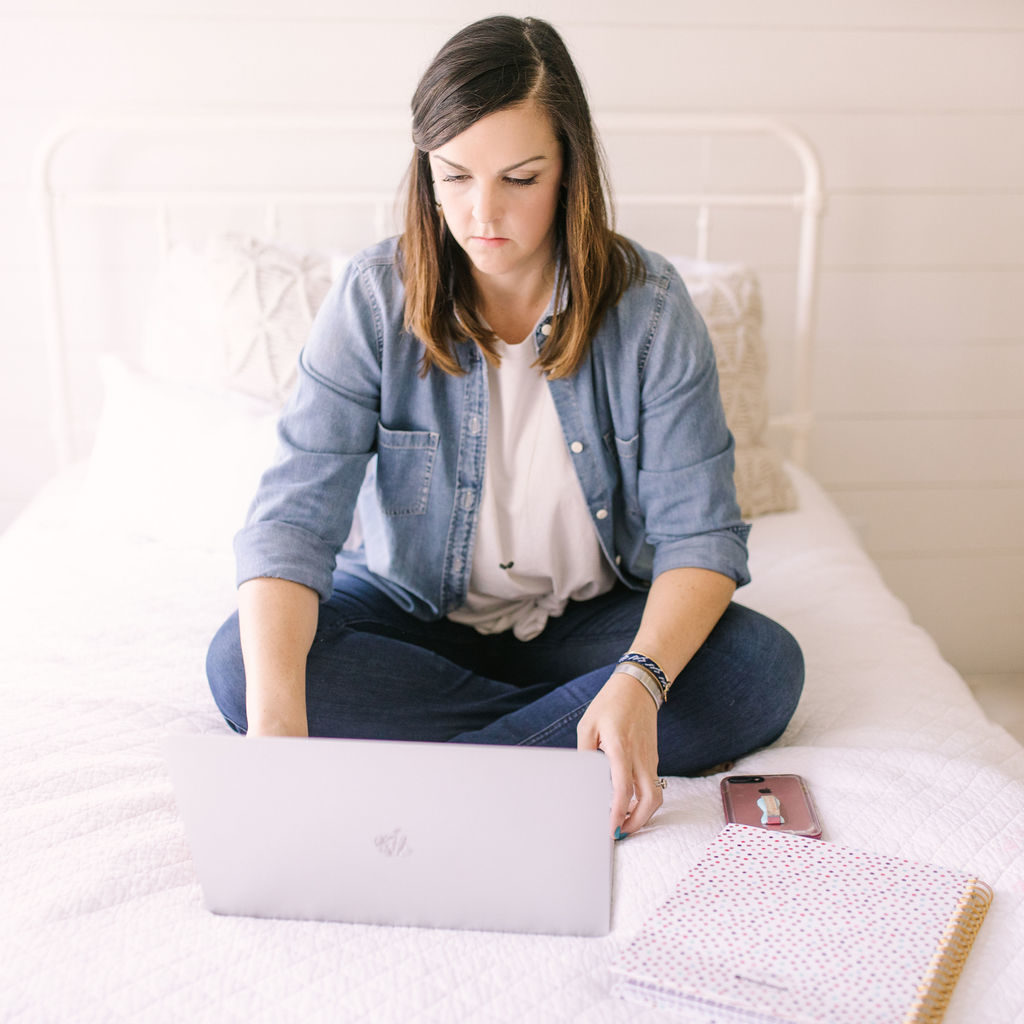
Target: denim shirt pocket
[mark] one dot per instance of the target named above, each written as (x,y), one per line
(405,463)
(626,453)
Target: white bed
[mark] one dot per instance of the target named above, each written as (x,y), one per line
(113,581)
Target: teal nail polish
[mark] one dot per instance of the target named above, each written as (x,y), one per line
(619,834)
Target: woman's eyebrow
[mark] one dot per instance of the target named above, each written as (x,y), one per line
(504,170)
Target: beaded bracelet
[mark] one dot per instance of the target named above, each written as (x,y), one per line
(645,678)
(652,666)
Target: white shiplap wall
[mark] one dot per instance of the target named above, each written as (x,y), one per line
(917,109)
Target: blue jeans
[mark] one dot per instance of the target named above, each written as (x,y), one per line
(376,672)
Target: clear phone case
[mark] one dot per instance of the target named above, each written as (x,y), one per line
(779,803)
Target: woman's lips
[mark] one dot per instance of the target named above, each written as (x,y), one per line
(488,243)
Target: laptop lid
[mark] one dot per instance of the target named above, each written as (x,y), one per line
(434,834)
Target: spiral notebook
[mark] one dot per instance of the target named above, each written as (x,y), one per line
(771,927)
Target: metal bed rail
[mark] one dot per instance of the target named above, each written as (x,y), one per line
(52,197)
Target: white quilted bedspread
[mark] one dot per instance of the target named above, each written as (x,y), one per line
(101,654)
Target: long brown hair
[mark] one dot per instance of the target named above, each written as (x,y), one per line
(490,65)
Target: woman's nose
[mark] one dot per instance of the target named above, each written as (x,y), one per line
(485,204)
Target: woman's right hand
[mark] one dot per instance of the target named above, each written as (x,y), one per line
(277,621)
(622,721)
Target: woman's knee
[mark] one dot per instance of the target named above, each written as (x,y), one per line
(785,661)
(226,674)
(757,665)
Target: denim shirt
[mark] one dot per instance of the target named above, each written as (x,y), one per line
(642,419)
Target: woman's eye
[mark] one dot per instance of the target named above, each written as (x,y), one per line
(458,179)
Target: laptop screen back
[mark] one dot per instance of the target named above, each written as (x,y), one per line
(382,832)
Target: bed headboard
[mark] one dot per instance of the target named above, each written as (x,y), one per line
(114,192)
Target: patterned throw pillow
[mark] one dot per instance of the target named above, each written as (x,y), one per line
(729,299)
(267,297)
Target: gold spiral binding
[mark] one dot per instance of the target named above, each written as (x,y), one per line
(936,988)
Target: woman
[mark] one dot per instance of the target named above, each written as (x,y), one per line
(524,407)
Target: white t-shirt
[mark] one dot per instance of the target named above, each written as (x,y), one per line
(535,545)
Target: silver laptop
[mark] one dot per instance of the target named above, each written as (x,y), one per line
(434,834)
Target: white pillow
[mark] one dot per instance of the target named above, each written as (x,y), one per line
(176,463)
(728,297)
(181,337)
(267,297)
(234,315)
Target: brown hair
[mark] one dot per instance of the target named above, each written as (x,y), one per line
(493,64)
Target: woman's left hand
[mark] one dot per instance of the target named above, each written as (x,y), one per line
(622,721)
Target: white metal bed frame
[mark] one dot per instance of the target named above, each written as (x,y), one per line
(807,203)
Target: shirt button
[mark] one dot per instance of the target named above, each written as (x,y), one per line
(576,447)
(545,329)
(475,425)
(456,564)
(601,513)
(468,500)
(618,559)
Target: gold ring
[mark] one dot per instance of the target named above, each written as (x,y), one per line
(661,783)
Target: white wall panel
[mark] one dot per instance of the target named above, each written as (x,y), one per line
(919,379)
(812,70)
(795,15)
(246,61)
(928,522)
(18,217)
(173,63)
(24,392)
(919,151)
(889,450)
(924,230)
(957,306)
(970,604)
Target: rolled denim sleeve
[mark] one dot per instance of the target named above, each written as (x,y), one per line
(685,475)
(303,508)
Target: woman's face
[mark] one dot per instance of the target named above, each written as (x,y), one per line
(498,185)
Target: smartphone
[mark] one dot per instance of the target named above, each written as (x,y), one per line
(779,803)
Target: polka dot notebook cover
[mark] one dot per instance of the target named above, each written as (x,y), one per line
(771,927)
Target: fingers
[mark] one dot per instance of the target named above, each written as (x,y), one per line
(622,722)
(588,738)
(649,797)
(635,794)
(622,791)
